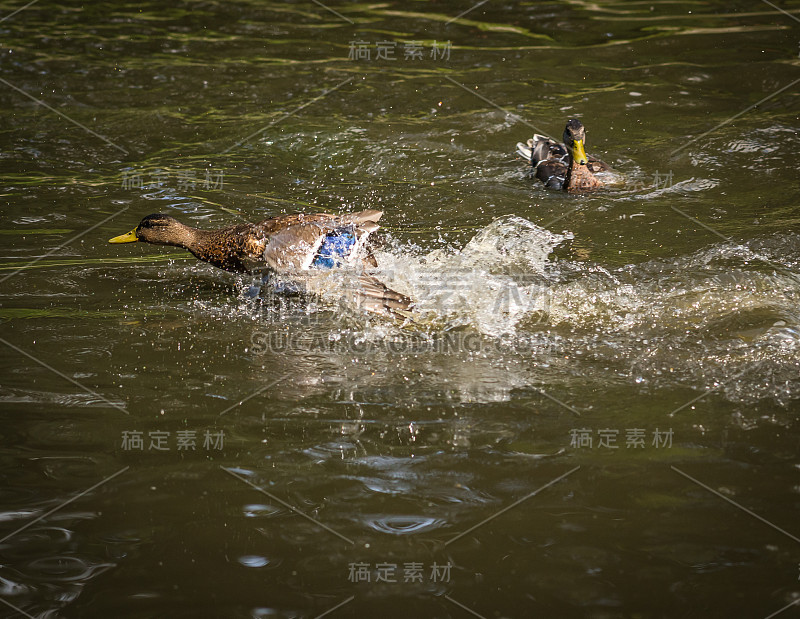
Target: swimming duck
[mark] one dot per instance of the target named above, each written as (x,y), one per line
(564,166)
(286,245)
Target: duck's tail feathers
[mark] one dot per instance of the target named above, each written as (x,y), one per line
(535,149)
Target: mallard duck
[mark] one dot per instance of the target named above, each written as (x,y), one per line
(286,245)
(564,166)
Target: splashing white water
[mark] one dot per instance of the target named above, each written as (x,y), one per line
(725,318)
(493,284)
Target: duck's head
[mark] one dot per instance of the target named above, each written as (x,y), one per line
(575,140)
(158,229)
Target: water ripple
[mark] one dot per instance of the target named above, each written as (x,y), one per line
(402,525)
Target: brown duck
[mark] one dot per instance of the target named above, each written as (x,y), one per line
(564,166)
(286,245)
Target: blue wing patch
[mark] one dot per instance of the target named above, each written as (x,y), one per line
(334,248)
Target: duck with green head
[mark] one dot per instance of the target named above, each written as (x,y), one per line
(564,166)
(286,245)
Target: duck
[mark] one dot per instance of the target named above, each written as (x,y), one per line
(293,245)
(565,166)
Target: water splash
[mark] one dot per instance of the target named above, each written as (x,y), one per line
(726,317)
(494,283)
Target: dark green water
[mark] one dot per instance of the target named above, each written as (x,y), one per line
(658,319)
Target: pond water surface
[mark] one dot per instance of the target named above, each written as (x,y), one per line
(595,411)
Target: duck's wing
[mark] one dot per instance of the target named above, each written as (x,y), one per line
(550,160)
(524,151)
(325,241)
(293,248)
(299,242)
(372,294)
(361,217)
(546,149)
(281,222)
(595,165)
(543,149)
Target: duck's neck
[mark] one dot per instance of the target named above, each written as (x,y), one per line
(185,237)
(220,248)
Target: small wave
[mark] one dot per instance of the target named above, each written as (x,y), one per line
(66,568)
(402,525)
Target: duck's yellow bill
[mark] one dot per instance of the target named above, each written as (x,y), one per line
(128,237)
(578,152)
